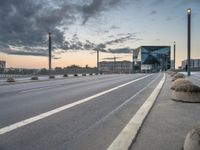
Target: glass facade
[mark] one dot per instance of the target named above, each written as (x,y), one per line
(154,58)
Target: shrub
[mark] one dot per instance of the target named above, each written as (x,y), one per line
(75,75)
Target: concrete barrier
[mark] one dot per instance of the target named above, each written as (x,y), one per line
(178,76)
(192,140)
(180,82)
(187,93)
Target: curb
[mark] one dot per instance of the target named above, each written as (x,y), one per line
(129,133)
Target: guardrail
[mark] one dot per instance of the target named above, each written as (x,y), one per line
(13,76)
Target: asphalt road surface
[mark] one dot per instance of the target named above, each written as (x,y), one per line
(83,113)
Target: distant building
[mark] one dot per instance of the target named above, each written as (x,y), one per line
(2,64)
(115,66)
(194,63)
(151,58)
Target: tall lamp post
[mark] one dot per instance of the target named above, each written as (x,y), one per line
(174,55)
(189,12)
(97,61)
(114,69)
(49,53)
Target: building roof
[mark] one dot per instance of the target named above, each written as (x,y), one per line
(150,48)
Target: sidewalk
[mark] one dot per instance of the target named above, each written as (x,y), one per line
(168,123)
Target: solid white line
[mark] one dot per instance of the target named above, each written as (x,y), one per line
(130,131)
(120,106)
(59,109)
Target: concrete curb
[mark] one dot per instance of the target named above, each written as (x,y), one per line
(129,133)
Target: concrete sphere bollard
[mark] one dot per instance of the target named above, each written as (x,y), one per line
(192,140)
(34,78)
(186,93)
(10,79)
(51,77)
(178,76)
(65,75)
(173,74)
(180,81)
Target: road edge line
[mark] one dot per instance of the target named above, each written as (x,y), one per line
(129,133)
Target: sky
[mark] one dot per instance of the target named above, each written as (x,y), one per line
(81,27)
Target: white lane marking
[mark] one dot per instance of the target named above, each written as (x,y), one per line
(130,131)
(59,109)
(119,107)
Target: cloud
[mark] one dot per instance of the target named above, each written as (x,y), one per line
(169,19)
(121,50)
(158,2)
(27,23)
(114,27)
(153,12)
(111,58)
(125,37)
(183,2)
(96,7)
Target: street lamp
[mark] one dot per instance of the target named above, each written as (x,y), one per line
(97,60)
(174,55)
(189,12)
(49,53)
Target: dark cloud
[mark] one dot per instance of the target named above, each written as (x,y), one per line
(183,2)
(111,58)
(169,19)
(158,2)
(125,37)
(96,7)
(114,27)
(121,50)
(27,22)
(76,44)
(153,12)
(92,9)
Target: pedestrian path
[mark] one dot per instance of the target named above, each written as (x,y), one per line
(168,123)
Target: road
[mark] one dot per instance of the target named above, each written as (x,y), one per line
(83,113)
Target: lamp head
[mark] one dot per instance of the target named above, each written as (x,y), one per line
(189,10)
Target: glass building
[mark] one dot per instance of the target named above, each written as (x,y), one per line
(151,58)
